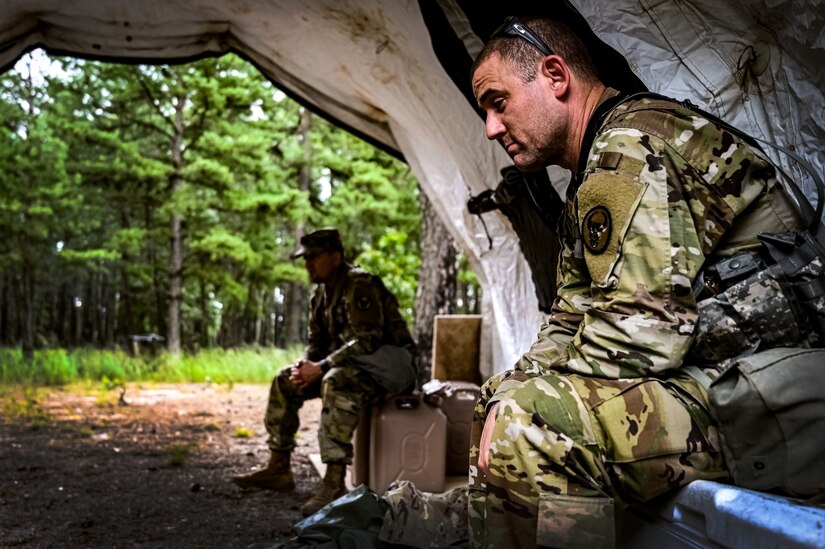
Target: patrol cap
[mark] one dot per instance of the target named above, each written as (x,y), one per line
(322,240)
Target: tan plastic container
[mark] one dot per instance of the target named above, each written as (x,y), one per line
(360,468)
(408,441)
(458,406)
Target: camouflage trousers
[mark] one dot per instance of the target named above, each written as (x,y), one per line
(568,449)
(344,390)
(424,519)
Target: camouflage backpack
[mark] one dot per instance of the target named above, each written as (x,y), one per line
(768,402)
(768,299)
(770,412)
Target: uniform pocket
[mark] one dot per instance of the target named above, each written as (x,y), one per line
(575,521)
(649,419)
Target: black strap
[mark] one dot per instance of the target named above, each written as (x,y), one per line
(593,125)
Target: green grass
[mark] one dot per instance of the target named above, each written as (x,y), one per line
(114,367)
(21,405)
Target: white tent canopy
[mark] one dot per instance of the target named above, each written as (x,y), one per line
(395,72)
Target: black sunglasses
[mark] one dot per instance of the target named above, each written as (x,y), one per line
(513,26)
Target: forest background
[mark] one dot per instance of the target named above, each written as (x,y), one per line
(149,213)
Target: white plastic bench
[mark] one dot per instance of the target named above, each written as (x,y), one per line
(710,514)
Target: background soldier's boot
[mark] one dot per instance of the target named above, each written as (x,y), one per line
(330,489)
(276,476)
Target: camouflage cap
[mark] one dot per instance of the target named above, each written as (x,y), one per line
(323,240)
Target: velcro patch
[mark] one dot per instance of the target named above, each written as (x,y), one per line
(596,229)
(364,305)
(606,202)
(363,302)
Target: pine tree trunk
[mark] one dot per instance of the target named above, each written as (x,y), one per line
(294,311)
(124,322)
(176,237)
(436,281)
(296,294)
(157,279)
(203,323)
(110,312)
(4,310)
(27,310)
(65,302)
(92,307)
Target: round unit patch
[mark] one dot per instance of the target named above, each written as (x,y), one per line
(596,229)
(363,302)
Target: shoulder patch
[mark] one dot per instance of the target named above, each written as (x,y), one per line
(364,305)
(363,301)
(596,229)
(606,204)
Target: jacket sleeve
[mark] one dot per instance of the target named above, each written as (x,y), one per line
(317,338)
(650,211)
(364,329)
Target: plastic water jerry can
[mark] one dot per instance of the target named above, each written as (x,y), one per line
(458,405)
(408,440)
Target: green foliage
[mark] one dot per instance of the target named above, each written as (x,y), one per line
(114,368)
(253,365)
(392,260)
(21,404)
(220,245)
(47,367)
(60,366)
(101,161)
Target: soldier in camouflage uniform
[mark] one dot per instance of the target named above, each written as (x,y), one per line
(599,412)
(359,349)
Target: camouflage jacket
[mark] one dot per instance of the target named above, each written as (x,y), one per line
(354,315)
(664,191)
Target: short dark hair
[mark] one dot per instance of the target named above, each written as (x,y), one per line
(523,55)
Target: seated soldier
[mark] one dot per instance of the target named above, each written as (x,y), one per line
(359,350)
(600,411)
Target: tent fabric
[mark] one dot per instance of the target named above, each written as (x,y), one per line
(396,73)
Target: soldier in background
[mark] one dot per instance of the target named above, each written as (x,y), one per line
(359,351)
(600,412)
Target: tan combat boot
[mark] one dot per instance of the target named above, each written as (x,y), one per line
(330,489)
(276,476)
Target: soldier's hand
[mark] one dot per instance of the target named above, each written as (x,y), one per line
(486,438)
(305,373)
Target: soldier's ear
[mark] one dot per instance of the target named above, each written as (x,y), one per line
(555,70)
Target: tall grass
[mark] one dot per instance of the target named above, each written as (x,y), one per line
(246,365)
(61,366)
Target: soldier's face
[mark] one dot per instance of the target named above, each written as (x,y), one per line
(321,267)
(525,117)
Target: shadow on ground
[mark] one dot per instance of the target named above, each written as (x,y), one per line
(80,469)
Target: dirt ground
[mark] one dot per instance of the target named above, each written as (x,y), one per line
(81,469)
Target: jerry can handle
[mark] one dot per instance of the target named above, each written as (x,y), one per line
(407,402)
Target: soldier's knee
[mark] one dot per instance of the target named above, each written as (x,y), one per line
(343,413)
(334,379)
(553,402)
(282,377)
(283,374)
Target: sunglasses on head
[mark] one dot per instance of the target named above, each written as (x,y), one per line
(513,26)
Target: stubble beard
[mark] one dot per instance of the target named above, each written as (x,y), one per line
(551,135)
